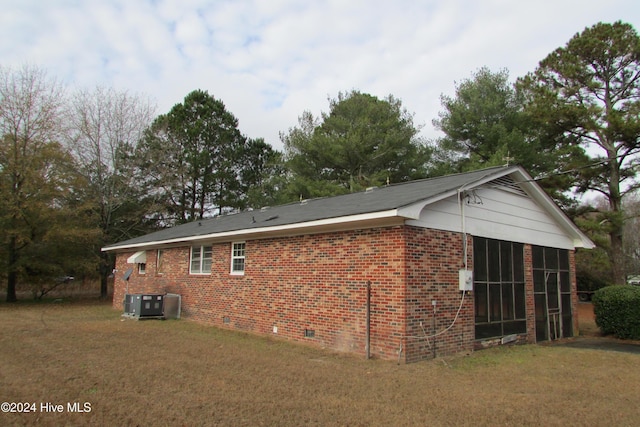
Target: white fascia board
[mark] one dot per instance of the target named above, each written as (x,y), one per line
(328,224)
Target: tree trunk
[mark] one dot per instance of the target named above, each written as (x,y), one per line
(11,287)
(105,270)
(616,254)
(12,276)
(104,289)
(617,258)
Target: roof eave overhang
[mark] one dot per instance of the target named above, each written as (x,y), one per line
(386,218)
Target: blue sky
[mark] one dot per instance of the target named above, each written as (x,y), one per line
(270,60)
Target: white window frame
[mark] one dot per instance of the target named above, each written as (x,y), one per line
(142,268)
(238,253)
(201,260)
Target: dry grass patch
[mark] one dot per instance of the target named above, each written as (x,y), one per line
(178,373)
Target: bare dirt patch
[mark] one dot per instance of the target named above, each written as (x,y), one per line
(587,320)
(178,373)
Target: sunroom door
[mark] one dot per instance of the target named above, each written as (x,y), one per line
(552,294)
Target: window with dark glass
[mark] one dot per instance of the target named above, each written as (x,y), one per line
(499,291)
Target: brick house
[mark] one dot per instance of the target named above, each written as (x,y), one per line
(378,272)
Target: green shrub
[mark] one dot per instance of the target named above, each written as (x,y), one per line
(617,311)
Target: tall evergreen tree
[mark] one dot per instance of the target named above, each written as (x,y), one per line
(362,141)
(263,175)
(485,125)
(482,124)
(191,158)
(587,95)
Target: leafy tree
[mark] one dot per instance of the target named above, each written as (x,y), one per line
(104,129)
(61,232)
(35,172)
(191,158)
(587,95)
(363,141)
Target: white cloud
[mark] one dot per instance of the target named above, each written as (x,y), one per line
(271,60)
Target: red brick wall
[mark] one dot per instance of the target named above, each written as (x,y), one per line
(315,282)
(318,282)
(433,260)
(574,292)
(529,298)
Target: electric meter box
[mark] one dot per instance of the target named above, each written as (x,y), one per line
(466,280)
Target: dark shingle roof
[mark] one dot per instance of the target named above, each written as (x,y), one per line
(377,200)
